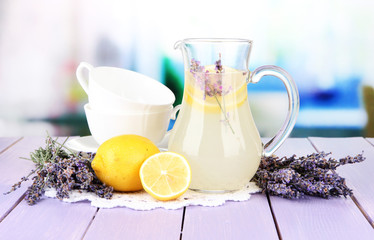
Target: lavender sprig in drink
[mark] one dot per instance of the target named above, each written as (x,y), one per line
(210,82)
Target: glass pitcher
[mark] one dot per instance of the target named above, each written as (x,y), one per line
(215,130)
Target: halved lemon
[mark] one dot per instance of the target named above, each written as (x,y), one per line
(166,175)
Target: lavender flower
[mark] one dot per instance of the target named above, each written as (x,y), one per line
(283,190)
(64,172)
(285,175)
(312,175)
(195,66)
(209,82)
(219,68)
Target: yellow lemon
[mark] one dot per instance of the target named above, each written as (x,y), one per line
(118,160)
(166,175)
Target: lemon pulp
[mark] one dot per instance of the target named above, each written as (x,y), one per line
(166,175)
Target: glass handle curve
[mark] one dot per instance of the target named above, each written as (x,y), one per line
(173,116)
(293,104)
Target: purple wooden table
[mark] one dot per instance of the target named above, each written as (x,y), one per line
(261,217)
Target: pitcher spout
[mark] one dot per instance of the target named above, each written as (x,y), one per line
(178,44)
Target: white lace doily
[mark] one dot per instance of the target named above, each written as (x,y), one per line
(143,201)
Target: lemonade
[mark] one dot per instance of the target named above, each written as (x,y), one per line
(215,130)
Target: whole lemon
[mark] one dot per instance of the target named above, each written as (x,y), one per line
(118,161)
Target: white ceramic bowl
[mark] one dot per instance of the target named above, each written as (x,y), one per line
(104,125)
(119,90)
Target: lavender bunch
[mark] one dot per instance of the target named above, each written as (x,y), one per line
(57,169)
(312,175)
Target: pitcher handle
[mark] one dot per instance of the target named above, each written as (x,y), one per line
(293,104)
(83,81)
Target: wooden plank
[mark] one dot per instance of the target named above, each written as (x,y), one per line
(315,218)
(13,168)
(50,218)
(7,142)
(124,223)
(371,140)
(359,176)
(251,219)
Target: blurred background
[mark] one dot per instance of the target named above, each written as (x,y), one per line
(327,46)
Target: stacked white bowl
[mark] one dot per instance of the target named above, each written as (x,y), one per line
(125,102)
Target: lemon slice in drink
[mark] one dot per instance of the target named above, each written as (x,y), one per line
(233,83)
(166,175)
